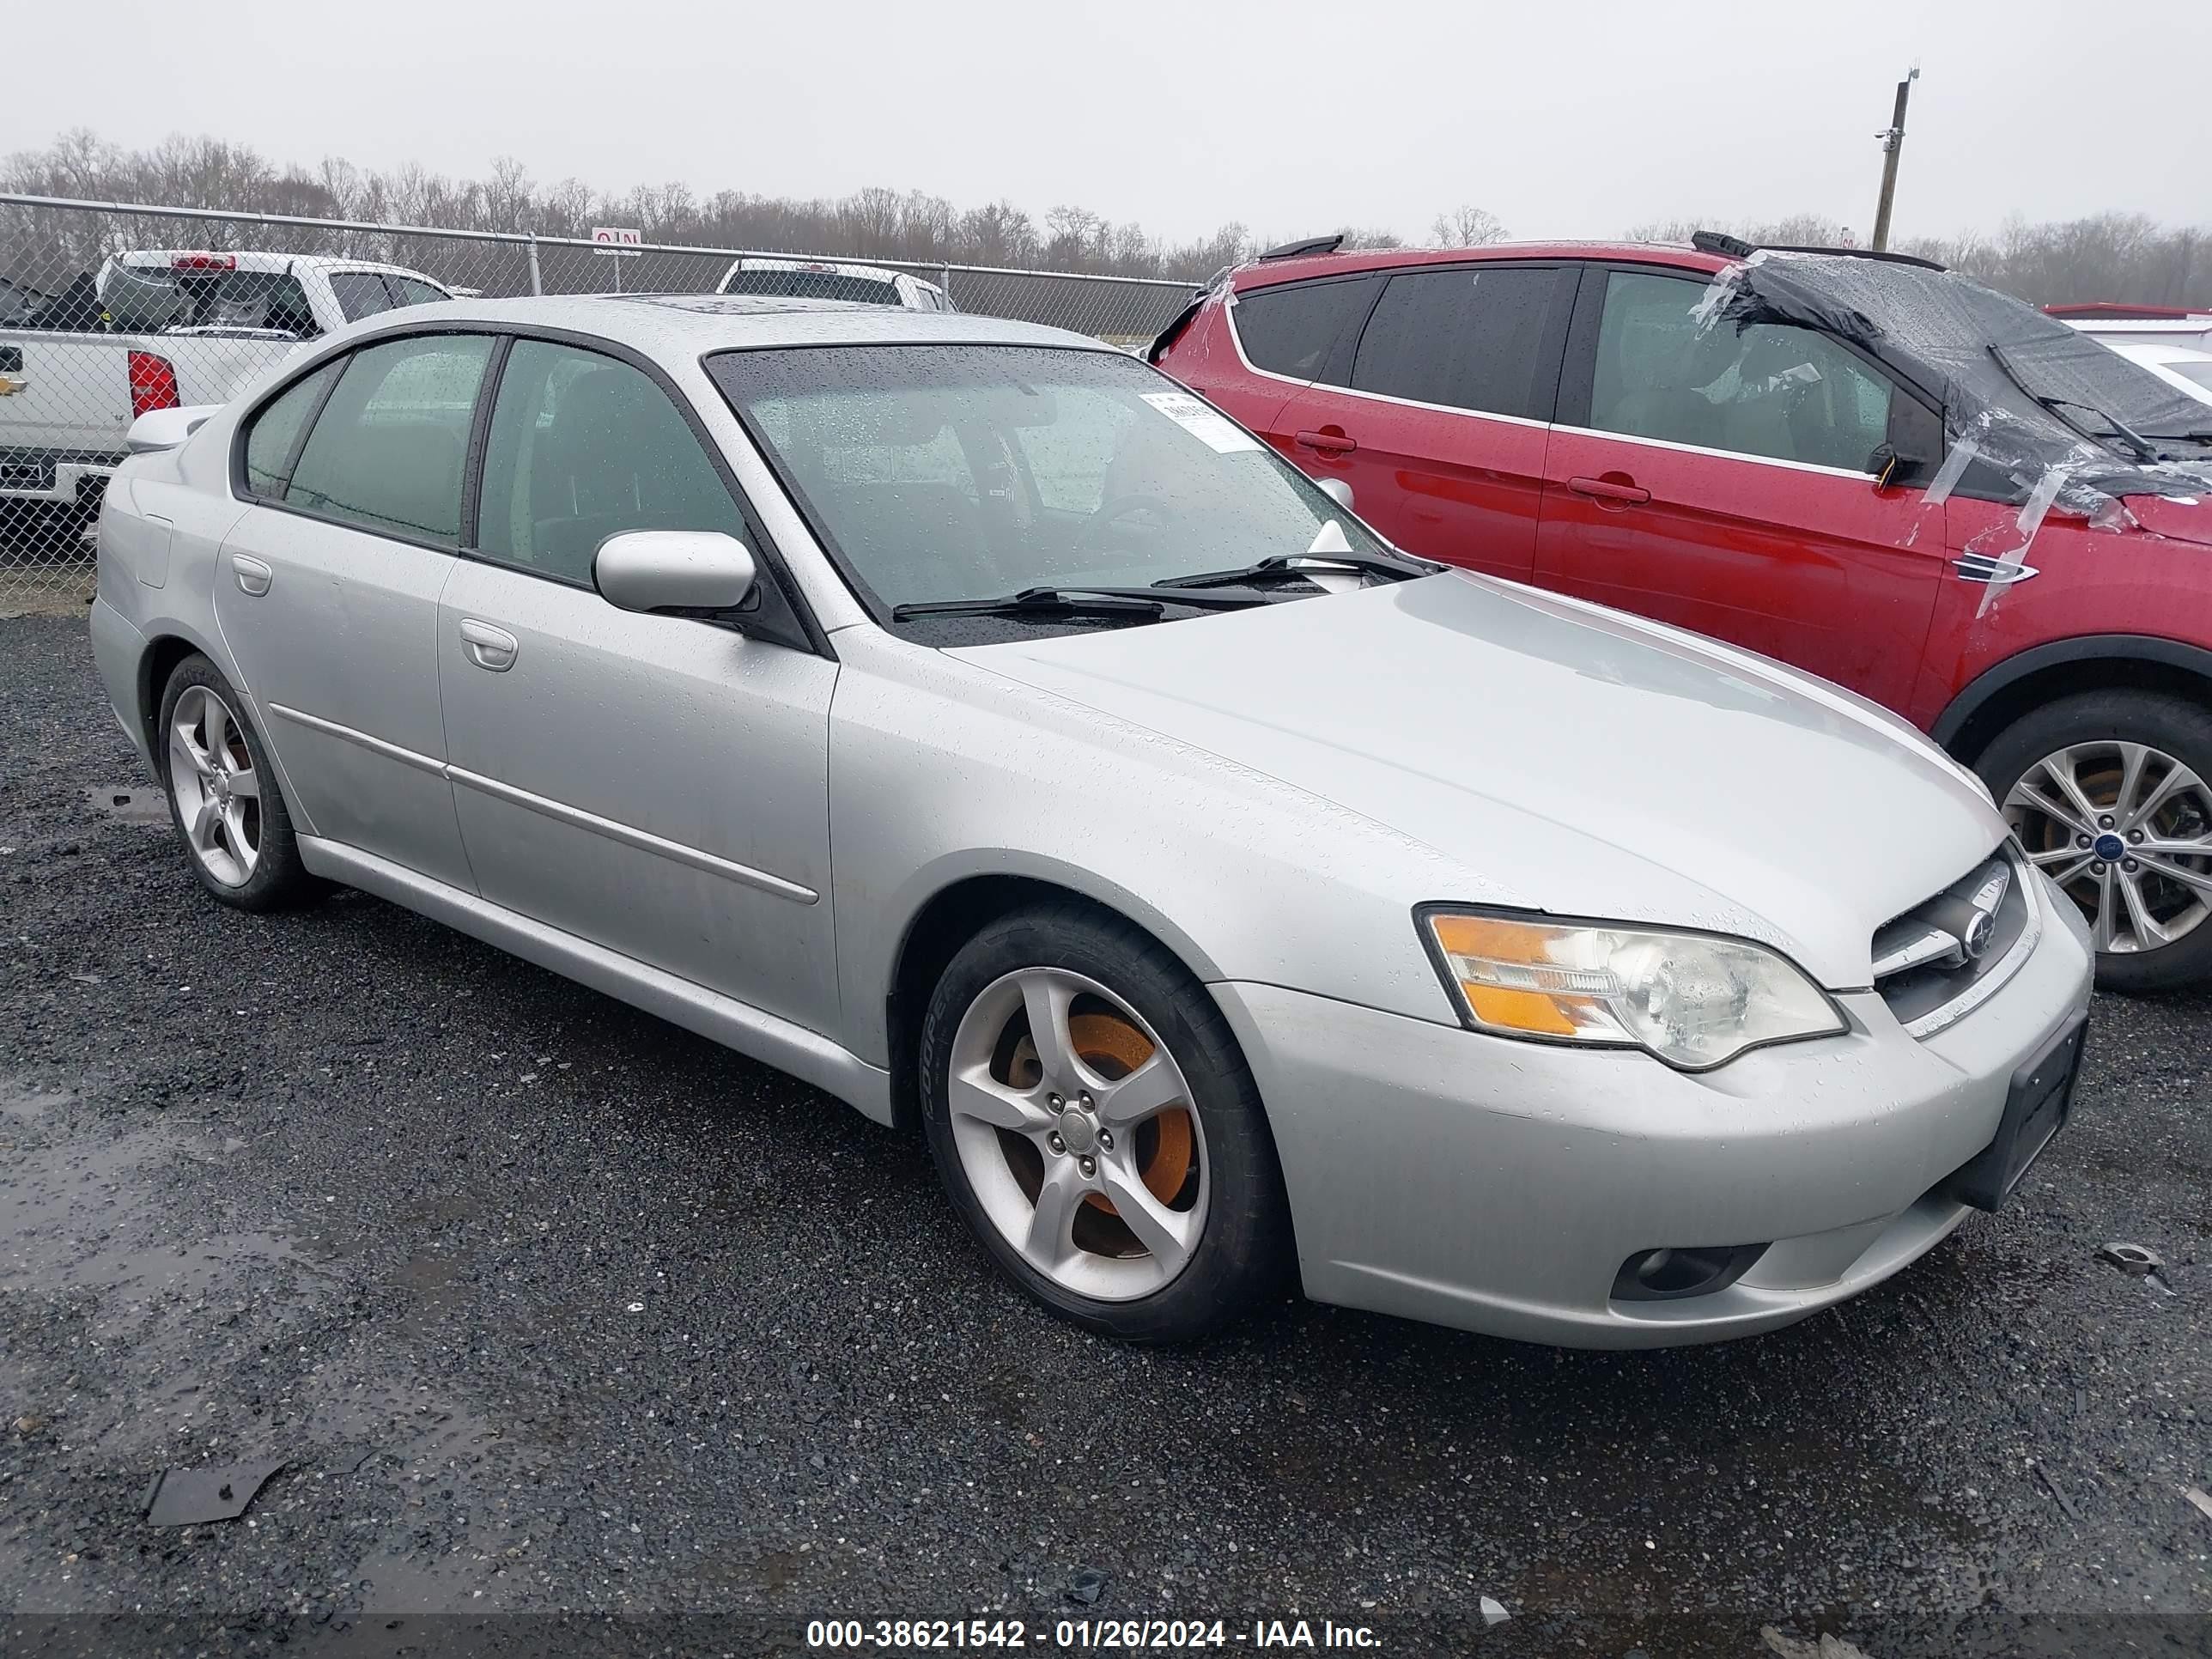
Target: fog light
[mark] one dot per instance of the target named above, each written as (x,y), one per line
(1664,1274)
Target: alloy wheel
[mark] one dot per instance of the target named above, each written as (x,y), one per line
(215,784)
(1077,1133)
(2125,830)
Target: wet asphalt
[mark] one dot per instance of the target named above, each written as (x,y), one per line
(548,1308)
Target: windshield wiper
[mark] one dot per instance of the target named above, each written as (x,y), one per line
(2058,406)
(1298,564)
(1071,602)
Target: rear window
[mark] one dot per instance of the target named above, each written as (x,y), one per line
(152,298)
(1479,339)
(813,285)
(1292,330)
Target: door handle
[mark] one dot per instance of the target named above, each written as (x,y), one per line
(1330,440)
(1608,489)
(490,648)
(253,576)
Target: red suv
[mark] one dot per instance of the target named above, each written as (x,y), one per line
(1859,464)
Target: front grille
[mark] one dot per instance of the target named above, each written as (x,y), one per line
(1948,954)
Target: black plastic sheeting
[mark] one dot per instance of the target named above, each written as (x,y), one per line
(1938,330)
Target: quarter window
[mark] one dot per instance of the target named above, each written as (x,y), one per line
(583,447)
(410,292)
(1293,329)
(387,450)
(1774,389)
(1465,337)
(273,440)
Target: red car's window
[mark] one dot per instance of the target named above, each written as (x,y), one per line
(1774,389)
(1468,338)
(1293,329)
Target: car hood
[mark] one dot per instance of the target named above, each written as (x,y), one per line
(1577,760)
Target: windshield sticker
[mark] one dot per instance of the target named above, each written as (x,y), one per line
(1209,427)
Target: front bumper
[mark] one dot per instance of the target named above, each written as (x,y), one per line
(1499,1186)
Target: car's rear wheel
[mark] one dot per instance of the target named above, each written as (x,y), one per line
(2110,793)
(1096,1127)
(223,794)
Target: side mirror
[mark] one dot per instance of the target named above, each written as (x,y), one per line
(1894,469)
(1337,491)
(674,570)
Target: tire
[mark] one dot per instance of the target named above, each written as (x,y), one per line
(1199,1172)
(247,856)
(2122,749)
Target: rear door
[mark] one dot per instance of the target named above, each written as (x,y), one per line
(1725,481)
(327,589)
(1279,338)
(1438,416)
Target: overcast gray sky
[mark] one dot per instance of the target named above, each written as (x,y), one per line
(1566,120)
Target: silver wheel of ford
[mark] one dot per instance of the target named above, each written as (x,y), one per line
(1076,1131)
(2125,830)
(215,785)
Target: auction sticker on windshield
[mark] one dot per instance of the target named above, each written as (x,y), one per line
(1216,431)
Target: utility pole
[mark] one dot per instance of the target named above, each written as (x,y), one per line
(1893,140)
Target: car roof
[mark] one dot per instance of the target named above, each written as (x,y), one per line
(1264,273)
(2155,351)
(159,258)
(686,325)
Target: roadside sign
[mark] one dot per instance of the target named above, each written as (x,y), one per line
(619,242)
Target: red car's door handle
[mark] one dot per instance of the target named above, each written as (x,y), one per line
(1329,441)
(1610,490)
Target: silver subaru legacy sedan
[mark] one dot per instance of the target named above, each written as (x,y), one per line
(969,721)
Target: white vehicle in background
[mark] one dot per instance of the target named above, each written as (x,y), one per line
(2177,365)
(160,328)
(2158,325)
(817,279)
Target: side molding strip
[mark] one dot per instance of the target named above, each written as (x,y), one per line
(575,816)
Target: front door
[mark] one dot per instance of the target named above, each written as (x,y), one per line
(1725,482)
(658,785)
(326,591)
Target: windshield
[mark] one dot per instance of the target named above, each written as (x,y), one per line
(813,285)
(963,472)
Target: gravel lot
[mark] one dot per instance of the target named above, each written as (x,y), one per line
(549,1307)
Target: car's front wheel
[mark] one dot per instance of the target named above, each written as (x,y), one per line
(223,794)
(2110,793)
(1097,1128)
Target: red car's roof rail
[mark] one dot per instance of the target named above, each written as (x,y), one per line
(1311,244)
(1735,247)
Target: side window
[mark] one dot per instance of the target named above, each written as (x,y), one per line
(1775,390)
(413,292)
(1292,330)
(583,447)
(387,450)
(1465,337)
(360,294)
(273,438)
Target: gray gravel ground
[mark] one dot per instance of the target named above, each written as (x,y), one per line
(550,1308)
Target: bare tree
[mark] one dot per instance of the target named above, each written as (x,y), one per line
(1468,226)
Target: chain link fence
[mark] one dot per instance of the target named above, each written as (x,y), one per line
(109,309)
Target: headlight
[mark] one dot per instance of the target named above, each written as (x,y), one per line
(1693,1000)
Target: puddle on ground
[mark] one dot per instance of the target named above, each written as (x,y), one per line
(131,803)
(18,1099)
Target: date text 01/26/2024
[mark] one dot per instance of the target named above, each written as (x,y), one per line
(1096,1635)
